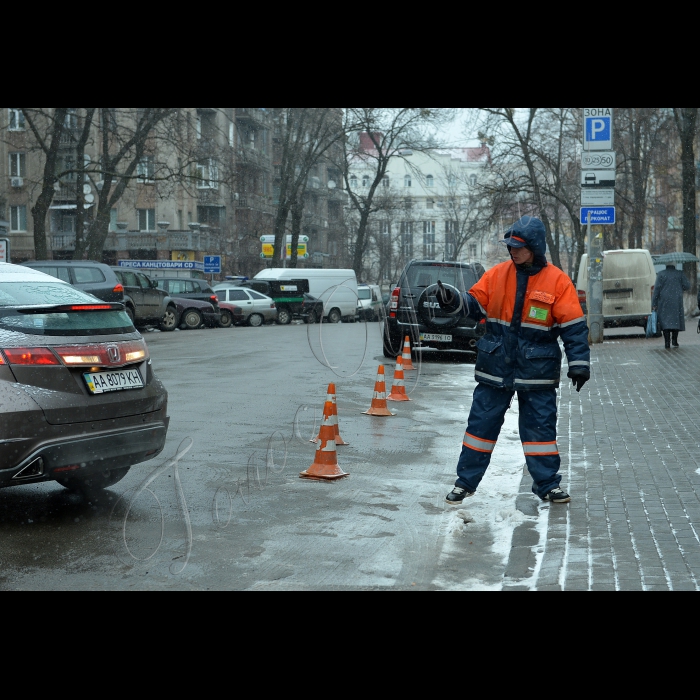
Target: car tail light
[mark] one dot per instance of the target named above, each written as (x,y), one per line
(272,306)
(394,304)
(582,296)
(214,298)
(30,356)
(103,355)
(483,321)
(119,289)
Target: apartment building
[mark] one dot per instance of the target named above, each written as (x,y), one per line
(430,207)
(201,187)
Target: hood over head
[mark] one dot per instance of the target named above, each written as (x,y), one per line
(528,231)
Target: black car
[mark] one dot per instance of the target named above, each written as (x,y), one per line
(187,289)
(198,290)
(145,303)
(311,310)
(413,309)
(89,276)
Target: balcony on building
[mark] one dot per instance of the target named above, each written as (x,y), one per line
(258,117)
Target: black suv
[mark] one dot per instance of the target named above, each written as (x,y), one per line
(89,276)
(288,295)
(145,303)
(413,309)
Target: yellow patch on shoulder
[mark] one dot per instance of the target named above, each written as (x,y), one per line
(543,297)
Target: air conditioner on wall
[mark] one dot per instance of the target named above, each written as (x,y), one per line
(17,182)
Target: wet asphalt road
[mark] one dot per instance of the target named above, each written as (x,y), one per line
(242,404)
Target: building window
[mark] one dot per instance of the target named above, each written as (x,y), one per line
(429,181)
(18,219)
(113,213)
(71,121)
(450,246)
(353,182)
(407,181)
(472,250)
(365,180)
(472,180)
(429,239)
(385,228)
(17,121)
(430,204)
(17,165)
(147,219)
(386,182)
(231,136)
(208,175)
(146,169)
(407,239)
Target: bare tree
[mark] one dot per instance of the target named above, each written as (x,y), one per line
(686,119)
(374,136)
(47,126)
(305,137)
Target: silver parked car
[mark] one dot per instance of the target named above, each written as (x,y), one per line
(257,308)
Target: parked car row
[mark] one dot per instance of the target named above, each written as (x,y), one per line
(275,296)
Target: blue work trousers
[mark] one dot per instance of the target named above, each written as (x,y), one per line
(538,433)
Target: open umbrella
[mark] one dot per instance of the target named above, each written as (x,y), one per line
(674,258)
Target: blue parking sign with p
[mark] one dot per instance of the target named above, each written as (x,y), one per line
(598,129)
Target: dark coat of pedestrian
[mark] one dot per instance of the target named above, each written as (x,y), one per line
(668,303)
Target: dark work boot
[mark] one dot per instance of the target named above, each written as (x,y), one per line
(667,339)
(674,339)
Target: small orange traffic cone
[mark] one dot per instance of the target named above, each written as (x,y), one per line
(398,389)
(406,357)
(332,398)
(379,407)
(325,466)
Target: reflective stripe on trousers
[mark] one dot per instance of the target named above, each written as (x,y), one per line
(537,423)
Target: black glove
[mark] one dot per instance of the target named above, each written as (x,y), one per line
(578,379)
(445,297)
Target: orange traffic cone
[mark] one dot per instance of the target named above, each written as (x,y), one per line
(398,389)
(332,398)
(325,466)
(379,407)
(406,357)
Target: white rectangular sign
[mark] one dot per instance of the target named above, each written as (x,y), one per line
(597,178)
(591,197)
(597,129)
(599,160)
(4,250)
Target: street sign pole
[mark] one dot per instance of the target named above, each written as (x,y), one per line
(598,165)
(594,298)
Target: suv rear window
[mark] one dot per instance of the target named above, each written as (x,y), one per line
(422,276)
(88,275)
(14,294)
(60,273)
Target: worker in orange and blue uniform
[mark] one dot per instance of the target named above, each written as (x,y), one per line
(528,305)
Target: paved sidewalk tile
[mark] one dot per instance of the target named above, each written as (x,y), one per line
(631,461)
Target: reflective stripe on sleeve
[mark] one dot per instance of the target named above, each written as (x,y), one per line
(478,444)
(581,319)
(535,382)
(536,326)
(579,363)
(498,320)
(540,448)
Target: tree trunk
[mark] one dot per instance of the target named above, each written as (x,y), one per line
(297,218)
(686,121)
(360,244)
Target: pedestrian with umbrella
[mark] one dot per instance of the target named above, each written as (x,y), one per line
(668,300)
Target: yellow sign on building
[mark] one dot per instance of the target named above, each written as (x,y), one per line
(183,255)
(268,248)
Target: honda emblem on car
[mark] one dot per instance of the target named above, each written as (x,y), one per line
(113,352)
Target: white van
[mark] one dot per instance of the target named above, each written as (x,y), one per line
(336,288)
(370,305)
(628,285)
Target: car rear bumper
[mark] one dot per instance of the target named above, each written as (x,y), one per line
(462,338)
(91,451)
(211,318)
